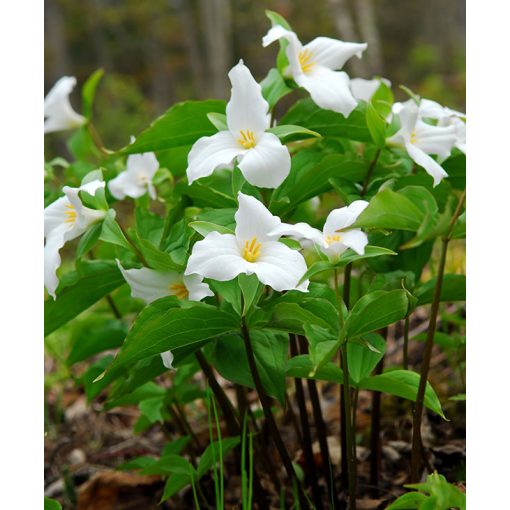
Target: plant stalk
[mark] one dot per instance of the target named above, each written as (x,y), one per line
(429,344)
(375,435)
(266,407)
(370,171)
(405,361)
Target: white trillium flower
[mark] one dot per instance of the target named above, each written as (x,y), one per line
(58,112)
(337,237)
(421,139)
(254,249)
(261,157)
(136,180)
(315,67)
(66,219)
(149,285)
(363,90)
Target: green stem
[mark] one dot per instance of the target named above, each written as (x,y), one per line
(370,171)
(266,407)
(97,139)
(133,245)
(429,344)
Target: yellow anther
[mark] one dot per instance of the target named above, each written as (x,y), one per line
(70,213)
(332,239)
(305,60)
(413,137)
(247,139)
(179,290)
(251,250)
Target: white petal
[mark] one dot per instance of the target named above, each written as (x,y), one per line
(54,242)
(210,153)
(364,89)
(54,215)
(196,288)
(144,164)
(218,257)
(148,284)
(424,160)
(293,48)
(299,231)
(58,111)
(126,184)
(343,217)
(435,139)
(167,358)
(267,164)
(85,216)
(280,267)
(329,89)
(431,110)
(253,219)
(247,109)
(355,239)
(333,53)
(92,186)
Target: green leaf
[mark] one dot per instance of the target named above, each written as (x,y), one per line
(409,501)
(151,408)
(174,484)
(112,233)
(317,268)
(251,289)
(376,310)
(182,125)
(383,100)
(459,229)
(404,384)
(207,459)
(452,289)
(205,227)
(171,464)
(363,360)
(89,240)
(95,338)
(350,256)
(88,92)
(162,326)
(376,125)
(277,19)
(156,258)
(289,133)
(51,504)
(91,282)
(302,366)
(274,87)
(218,120)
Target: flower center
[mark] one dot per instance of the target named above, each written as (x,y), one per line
(247,139)
(305,60)
(413,136)
(70,213)
(143,179)
(251,250)
(332,239)
(179,290)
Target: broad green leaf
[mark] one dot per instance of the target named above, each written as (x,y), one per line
(289,133)
(174,484)
(404,384)
(459,229)
(205,227)
(350,256)
(183,124)
(317,268)
(251,289)
(152,408)
(218,120)
(363,360)
(207,459)
(51,504)
(382,100)
(171,464)
(162,326)
(274,87)
(89,240)
(156,258)
(376,310)
(453,289)
(277,19)
(88,92)
(376,125)
(92,281)
(112,233)
(409,501)
(95,338)
(302,366)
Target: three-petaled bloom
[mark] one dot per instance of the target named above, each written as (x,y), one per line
(66,219)
(254,249)
(58,112)
(337,237)
(261,157)
(149,285)
(421,139)
(315,67)
(136,180)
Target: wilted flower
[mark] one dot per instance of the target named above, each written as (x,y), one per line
(254,249)
(58,112)
(261,157)
(315,67)
(136,180)
(337,237)
(421,139)
(66,219)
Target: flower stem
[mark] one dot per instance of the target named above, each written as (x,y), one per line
(429,344)
(266,407)
(97,139)
(370,171)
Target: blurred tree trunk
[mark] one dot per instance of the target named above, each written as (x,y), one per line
(367,22)
(216,19)
(56,40)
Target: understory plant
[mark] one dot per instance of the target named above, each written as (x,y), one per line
(269,240)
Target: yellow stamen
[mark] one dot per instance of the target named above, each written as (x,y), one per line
(413,136)
(247,139)
(71,214)
(251,250)
(179,290)
(332,239)
(305,60)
